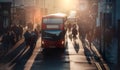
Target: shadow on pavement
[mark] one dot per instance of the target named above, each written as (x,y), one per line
(10,56)
(51,59)
(76,46)
(17,57)
(22,58)
(87,53)
(53,53)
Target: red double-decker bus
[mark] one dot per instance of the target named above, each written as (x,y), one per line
(53,31)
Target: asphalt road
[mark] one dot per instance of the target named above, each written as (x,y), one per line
(76,56)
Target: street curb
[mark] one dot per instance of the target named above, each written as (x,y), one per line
(99,56)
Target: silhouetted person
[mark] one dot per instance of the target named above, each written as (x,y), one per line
(33,40)
(5,41)
(12,38)
(69,26)
(74,31)
(27,37)
(90,37)
(20,31)
(37,33)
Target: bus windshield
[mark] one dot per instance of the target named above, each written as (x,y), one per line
(52,34)
(52,20)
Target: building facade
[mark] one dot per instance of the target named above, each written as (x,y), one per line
(109,21)
(5,16)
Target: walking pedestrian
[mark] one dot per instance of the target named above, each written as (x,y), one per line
(5,42)
(74,31)
(27,37)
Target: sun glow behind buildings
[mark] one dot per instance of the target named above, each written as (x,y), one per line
(67,5)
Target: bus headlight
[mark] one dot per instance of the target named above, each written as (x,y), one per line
(62,42)
(43,42)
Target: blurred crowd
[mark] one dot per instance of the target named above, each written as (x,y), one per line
(15,33)
(91,33)
(31,38)
(11,36)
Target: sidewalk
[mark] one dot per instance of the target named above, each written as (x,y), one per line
(16,46)
(110,54)
(80,56)
(12,48)
(98,57)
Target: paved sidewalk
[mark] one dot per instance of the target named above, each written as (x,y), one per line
(98,57)
(80,56)
(93,58)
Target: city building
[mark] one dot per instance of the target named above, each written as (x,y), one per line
(5,16)
(109,19)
